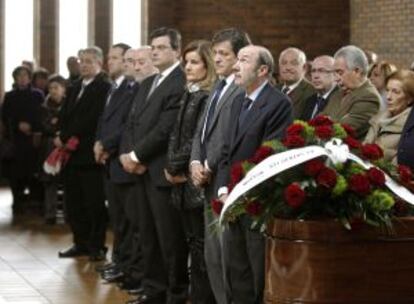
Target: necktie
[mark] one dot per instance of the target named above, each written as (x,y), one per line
(213,105)
(154,85)
(210,115)
(110,93)
(83,86)
(285,90)
(244,110)
(320,101)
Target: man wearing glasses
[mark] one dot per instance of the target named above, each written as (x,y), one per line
(323,80)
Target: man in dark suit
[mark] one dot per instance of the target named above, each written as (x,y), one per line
(292,70)
(323,80)
(83,183)
(262,113)
(118,183)
(208,144)
(406,144)
(165,278)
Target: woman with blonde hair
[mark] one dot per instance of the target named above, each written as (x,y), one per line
(387,127)
(378,75)
(190,200)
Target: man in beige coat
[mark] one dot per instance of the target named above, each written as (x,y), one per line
(361,99)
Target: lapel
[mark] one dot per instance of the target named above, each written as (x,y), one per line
(116,99)
(252,116)
(231,89)
(140,100)
(159,89)
(85,95)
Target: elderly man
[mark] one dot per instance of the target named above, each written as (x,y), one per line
(138,64)
(83,183)
(292,70)
(262,113)
(361,99)
(323,80)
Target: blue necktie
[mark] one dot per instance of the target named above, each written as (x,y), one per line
(244,110)
(210,115)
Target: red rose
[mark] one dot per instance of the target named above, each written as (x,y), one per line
(352,142)
(321,120)
(359,183)
(326,178)
(217,206)
(313,167)
(294,129)
(262,153)
(372,151)
(405,173)
(254,208)
(294,195)
(349,130)
(324,132)
(236,172)
(376,177)
(294,141)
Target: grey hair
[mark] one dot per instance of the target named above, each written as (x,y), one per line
(94,50)
(301,54)
(354,58)
(266,58)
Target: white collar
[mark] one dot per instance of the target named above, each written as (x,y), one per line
(119,80)
(326,95)
(253,96)
(292,86)
(168,71)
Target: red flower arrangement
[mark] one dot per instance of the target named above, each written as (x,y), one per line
(58,158)
(319,187)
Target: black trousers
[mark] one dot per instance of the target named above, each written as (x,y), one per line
(85,206)
(200,289)
(244,255)
(164,248)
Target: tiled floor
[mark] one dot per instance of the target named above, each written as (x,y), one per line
(30,271)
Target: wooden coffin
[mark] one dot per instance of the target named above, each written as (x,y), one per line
(322,262)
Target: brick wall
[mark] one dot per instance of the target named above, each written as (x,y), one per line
(385,27)
(317,27)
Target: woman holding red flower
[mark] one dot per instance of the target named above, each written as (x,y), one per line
(386,128)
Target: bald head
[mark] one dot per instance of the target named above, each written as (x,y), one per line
(292,65)
(254,65)
(322,72)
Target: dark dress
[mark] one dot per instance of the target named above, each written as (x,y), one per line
(22,105)
(186,197)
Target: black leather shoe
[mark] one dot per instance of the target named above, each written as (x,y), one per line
(97,256)
(127,284)
(105,267)
(114,277)
(147,299)
(72,252)
(136,291)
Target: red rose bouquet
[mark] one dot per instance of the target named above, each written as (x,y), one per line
(351,190)
(58,158)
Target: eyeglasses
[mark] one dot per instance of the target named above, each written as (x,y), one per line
(321,71)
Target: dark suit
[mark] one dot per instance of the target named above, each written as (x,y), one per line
(83,183)
(163,241)
(243,249)
(299,95)
(119,184)
(406,145)
(214,141)
(309,106)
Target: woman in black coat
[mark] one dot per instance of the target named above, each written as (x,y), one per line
(186,197)
(21,118)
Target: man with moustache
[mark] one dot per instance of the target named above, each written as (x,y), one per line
(323,80)
(156,105)
(292,70)
(262,113)
(83,183)
(208,144)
